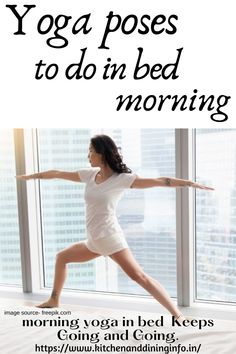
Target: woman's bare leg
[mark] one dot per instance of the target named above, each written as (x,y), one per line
(75,253)
(128,263)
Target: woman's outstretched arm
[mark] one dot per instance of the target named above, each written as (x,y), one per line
(166,182)
(71,176)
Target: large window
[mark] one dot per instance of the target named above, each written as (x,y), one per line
(10,265)
(146,216)
(216,215)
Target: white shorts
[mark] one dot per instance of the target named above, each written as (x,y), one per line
(107,245)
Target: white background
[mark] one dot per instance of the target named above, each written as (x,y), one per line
(205,29)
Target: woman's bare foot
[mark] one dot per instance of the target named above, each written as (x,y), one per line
(180,318)
(48,304)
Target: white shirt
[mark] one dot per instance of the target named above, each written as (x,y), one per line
(101,201)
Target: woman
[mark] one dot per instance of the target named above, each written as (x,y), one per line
(105,183)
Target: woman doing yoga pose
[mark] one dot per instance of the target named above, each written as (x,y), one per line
(105,182)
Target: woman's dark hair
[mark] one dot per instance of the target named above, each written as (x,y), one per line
(105,146)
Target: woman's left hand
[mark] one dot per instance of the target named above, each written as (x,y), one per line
(200,186)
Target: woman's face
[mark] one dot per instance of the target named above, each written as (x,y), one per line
(95,159)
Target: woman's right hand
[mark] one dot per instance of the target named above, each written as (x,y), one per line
(24,177)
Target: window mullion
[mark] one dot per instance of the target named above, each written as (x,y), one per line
(184,218)
(28,210)
(34,211)
(23,211)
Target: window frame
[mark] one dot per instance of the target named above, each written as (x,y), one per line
(185,218)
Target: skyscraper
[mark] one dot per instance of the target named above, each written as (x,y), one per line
(10,263)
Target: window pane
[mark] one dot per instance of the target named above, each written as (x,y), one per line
(146,216)
(10,265)
(216,215)
(63,211)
